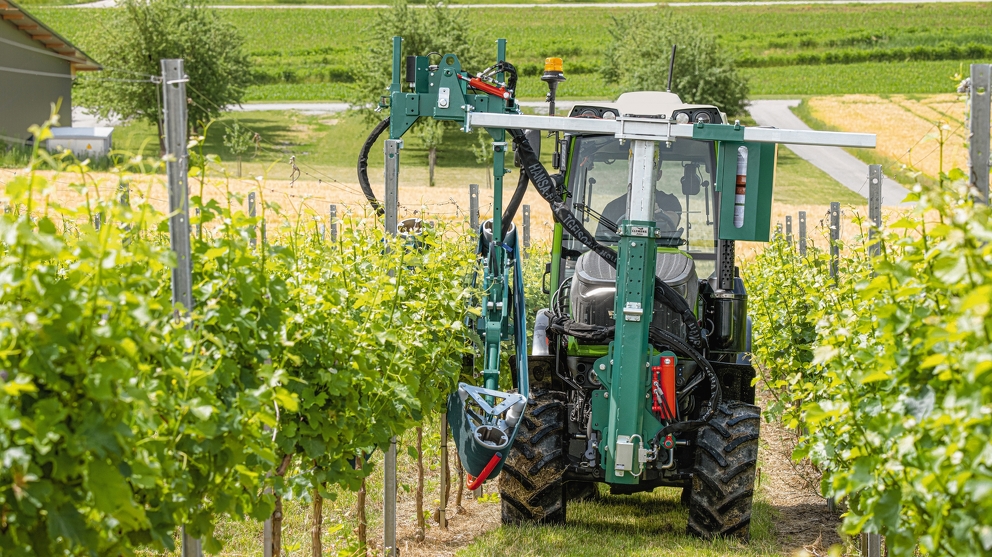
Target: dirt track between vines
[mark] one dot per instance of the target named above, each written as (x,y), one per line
(803,524)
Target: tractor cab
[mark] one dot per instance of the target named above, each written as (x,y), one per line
(598,170)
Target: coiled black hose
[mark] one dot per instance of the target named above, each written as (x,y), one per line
(363,165)
(660,340)
(550,189)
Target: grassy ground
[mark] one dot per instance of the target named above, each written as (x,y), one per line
(645,524)
(308,54)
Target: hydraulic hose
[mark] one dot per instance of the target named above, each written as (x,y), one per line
(550,187)
(363,165)
(660,340)
(514,204)
(660,337)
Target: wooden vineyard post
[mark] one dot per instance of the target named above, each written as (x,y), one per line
(874,208)
(174,116)
(445,490)
(363,539)
(461,482)
(834,239)
(267,538)
(421,526)
(316,548)
(473,206)
(978,143)
(802,233)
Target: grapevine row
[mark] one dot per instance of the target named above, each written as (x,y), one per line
(120,422)
(887,370)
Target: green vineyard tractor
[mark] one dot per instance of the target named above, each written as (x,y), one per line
(638,375)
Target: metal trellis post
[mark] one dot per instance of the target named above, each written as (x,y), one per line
(392,176)
(788,229)
(802,233)
(834,239)
(174,115)
(526,229)
(174,95)
(874,208)
(871,545)
(978,144)
(251,213)
(333,215)
(473,206)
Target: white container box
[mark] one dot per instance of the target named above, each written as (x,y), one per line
(83,142)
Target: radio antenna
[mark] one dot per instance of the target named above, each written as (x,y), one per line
(671,69)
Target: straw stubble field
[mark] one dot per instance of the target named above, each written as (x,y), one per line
(909,128)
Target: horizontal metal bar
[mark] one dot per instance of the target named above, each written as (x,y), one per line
(552,123)
(810,137)
(662,130)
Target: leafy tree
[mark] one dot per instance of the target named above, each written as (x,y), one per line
(431,132)
(143,32)
(435,28)
(483,151)
(237,140)
(704,74)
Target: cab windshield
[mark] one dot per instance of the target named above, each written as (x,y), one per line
(683,181)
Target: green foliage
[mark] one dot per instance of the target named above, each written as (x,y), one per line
(704,73)
(237,139)
(889,370)
(435,28)
(119,422)
(143,32)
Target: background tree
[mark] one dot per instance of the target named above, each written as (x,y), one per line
(431,133)
(238,140)
(435,28)
(483,151)
(637,60)
(141,33)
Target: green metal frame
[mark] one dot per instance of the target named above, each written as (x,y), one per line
(442,94)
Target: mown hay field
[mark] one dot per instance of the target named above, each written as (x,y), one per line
(909,128)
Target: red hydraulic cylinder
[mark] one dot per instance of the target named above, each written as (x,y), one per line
(664,377)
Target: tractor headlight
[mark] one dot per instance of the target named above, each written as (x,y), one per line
(681,118)
(702,118)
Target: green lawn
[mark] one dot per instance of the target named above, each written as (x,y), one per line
(798,182)
(309,54)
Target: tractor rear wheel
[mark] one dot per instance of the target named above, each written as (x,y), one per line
(531,489)
(723,478)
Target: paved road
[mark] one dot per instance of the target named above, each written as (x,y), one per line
(112,3)
(838,163)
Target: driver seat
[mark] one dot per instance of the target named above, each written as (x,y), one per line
(593,290)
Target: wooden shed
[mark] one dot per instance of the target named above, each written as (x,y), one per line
(37,67)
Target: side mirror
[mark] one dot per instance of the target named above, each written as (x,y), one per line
(690,179)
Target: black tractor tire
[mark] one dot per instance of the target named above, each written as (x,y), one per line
(723,477)
(531,489)
(582,491)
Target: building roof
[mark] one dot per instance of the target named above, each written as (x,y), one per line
(49,39)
